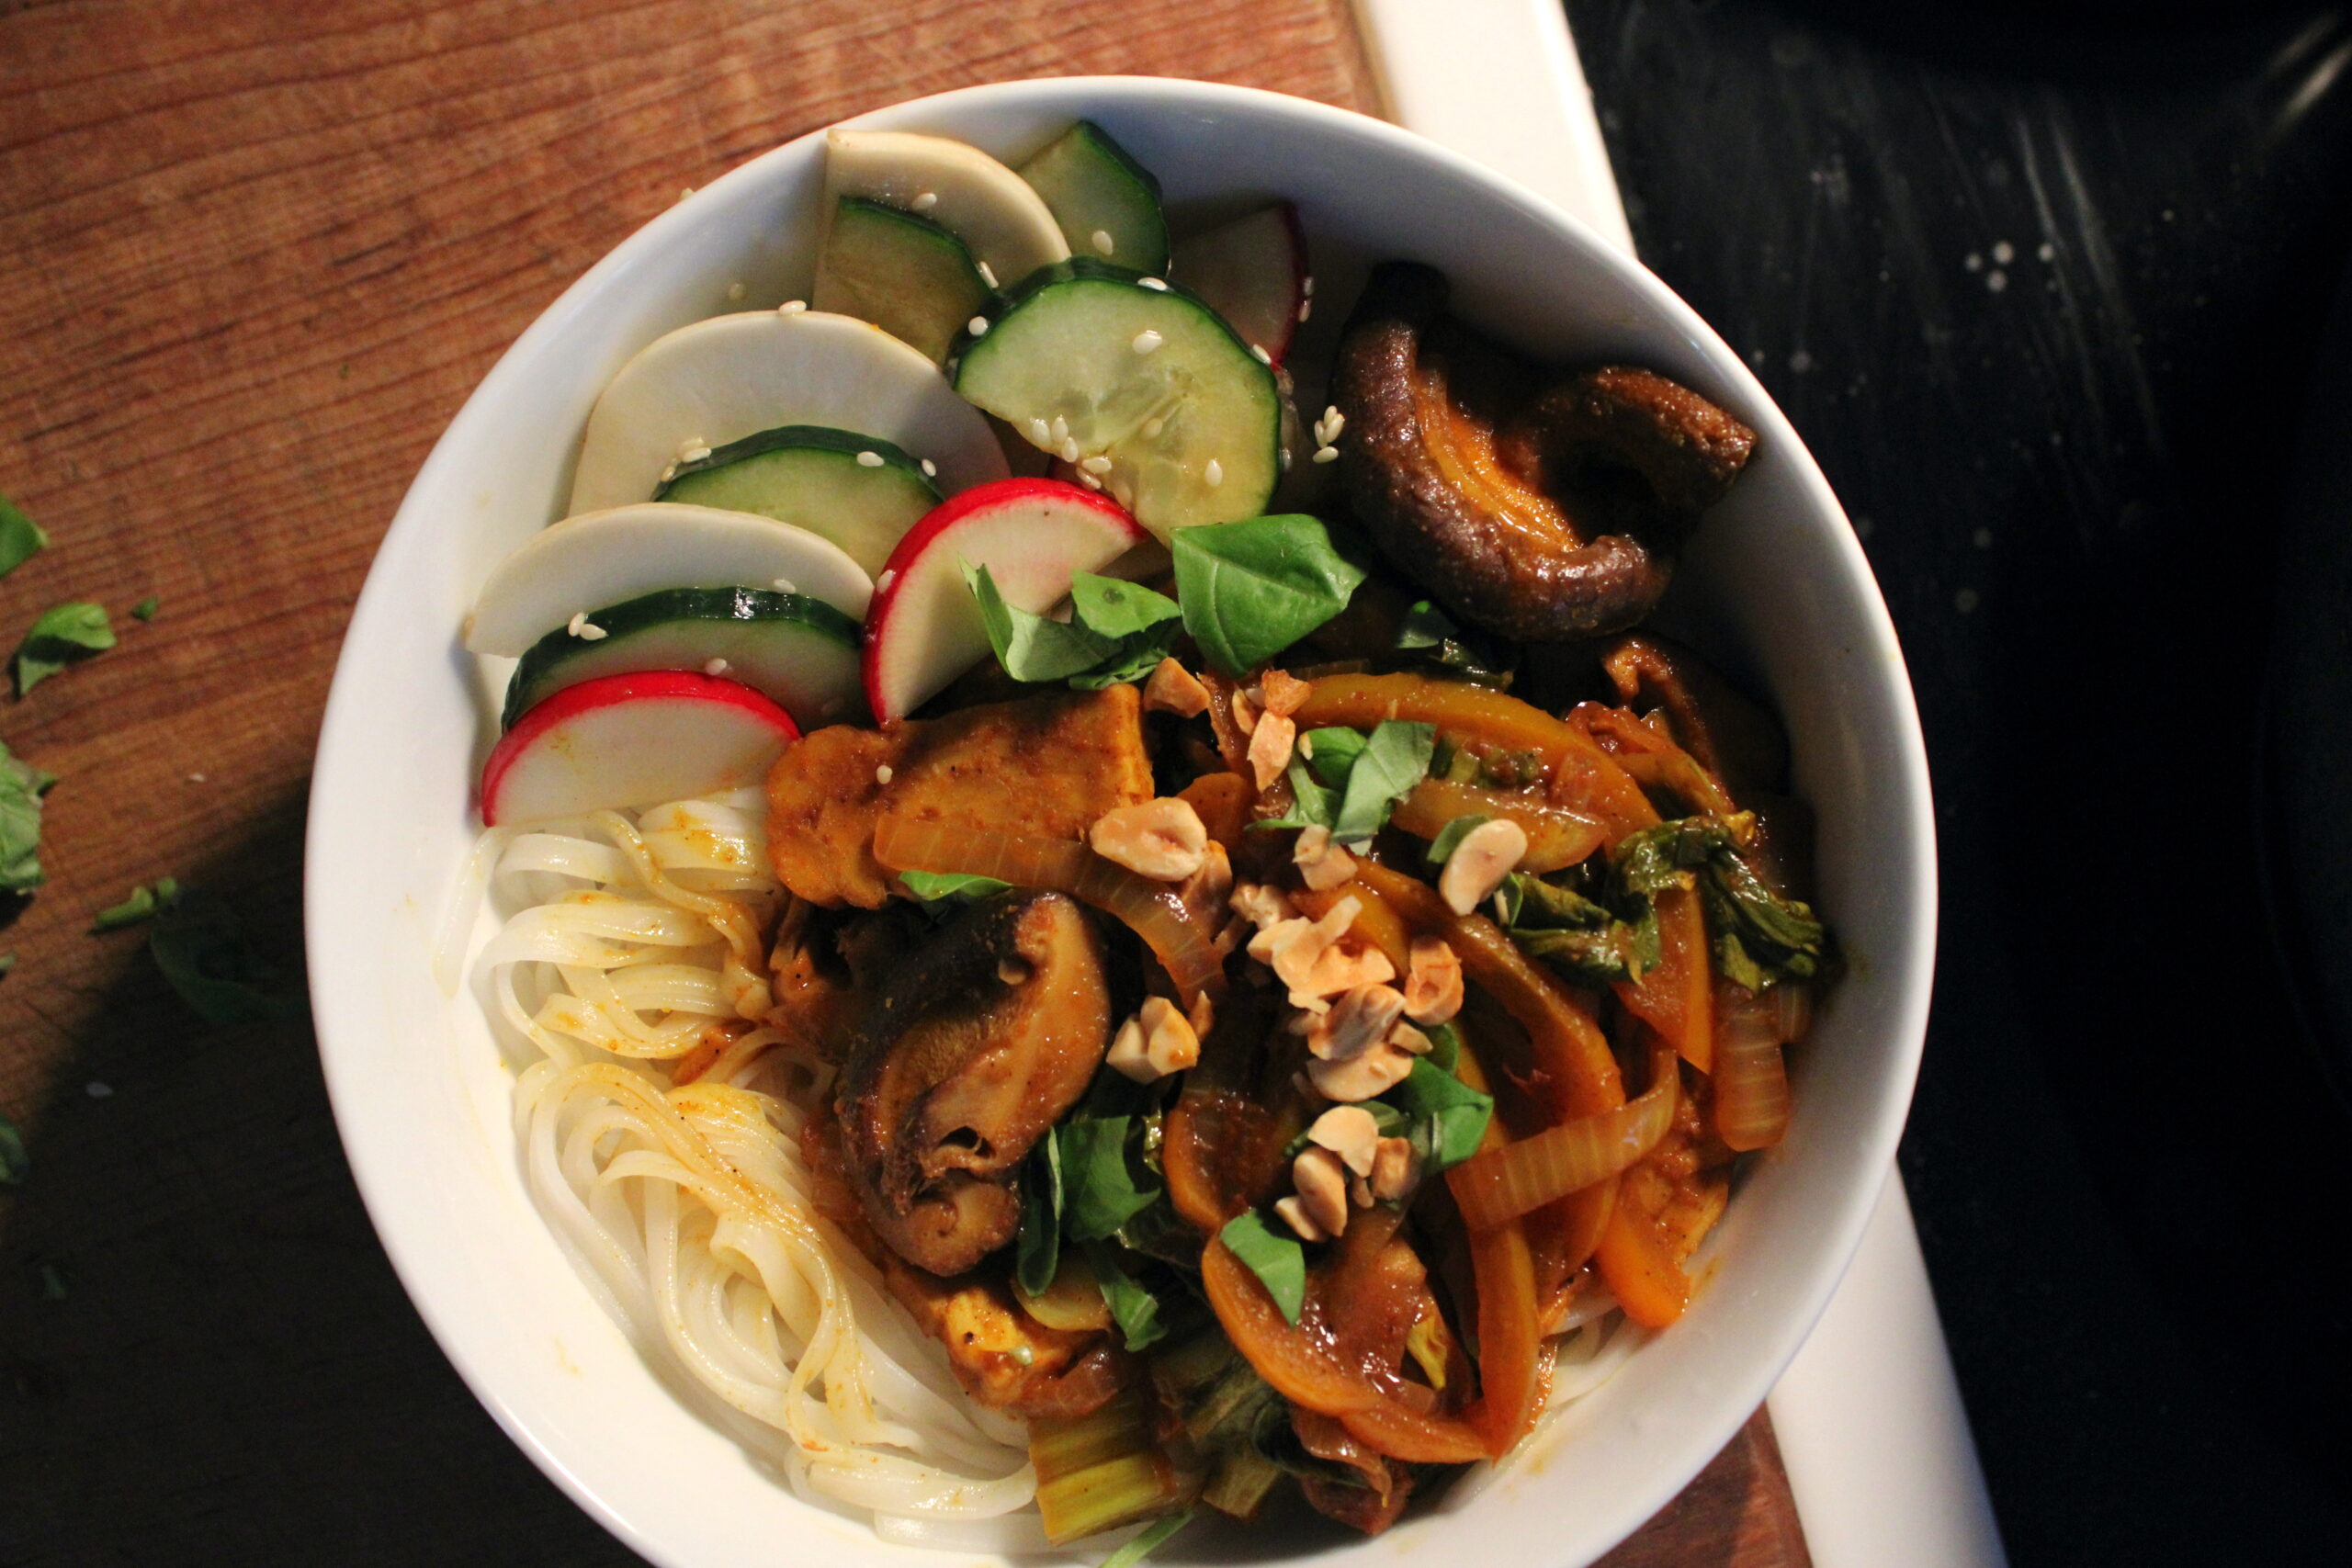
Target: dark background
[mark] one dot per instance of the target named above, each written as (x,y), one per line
(2044,289)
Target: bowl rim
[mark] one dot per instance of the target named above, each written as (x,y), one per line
(345,728)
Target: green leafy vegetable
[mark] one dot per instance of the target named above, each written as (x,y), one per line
(64,634)
(1111,607)
(1450,837)
(15,1163)
(1277,1259)
(1394,759)
(1450,1114)
(1430,640)
(1335,750)
(1133,1307)
(938,886)
(1154,1536)
(8,963)
(1311,806)
(1031,646)
(1104,1181)
(1445,1046)
(1118,631)
(1037,1253)
(1251,589)
(146,608)
(141,904)
(1760,937)
(200,947)
(20,537)
(52,1279)
(22,785)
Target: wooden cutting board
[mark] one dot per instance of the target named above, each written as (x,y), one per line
(252,259)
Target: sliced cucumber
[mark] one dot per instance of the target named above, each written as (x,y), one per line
(799,652)
(1087,362)
(1007,225)
(900,271)
(818,478)
(1107,204)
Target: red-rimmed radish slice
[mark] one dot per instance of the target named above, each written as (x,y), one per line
(605,558)
(628,741)
(1252,272)
(924,628)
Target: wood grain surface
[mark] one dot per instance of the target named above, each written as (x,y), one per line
(252,258)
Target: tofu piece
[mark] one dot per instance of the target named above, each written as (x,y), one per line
(1045,765)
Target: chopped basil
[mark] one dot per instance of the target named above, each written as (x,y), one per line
(939,887)
(22,785)
(1311,806)
(1449,837)
(1251,589)
(1394,759)
(1104,1181)
(1430,641)
(1450,1116)
(1277,1259)
(139,906)
(200,947)
(15,1163)
(1154,1536)
(1037,1255)
(146,608)
(1335,752)
(64,634)
(1031,646)
(1118,631)
(20,537)
(1111,607)
(1133,1307)
(1445,1046)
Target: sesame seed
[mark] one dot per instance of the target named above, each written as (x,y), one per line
(590,632)
(1282,456)
(792,306)
(685,192)
(1327,454)
(1061,428)
(882,773)
(1214,474)
(1306,309)
(1102,241)
(869,459)
(1090,481)
(1334,418)
(1157,285)
(1307,286)
(1069,450)
(1147,341)
(1153,426)
(785,585)
(579,619)
(195,778)
(882,583)
(1306,747)
(736,291)
(925,201)
(930,470)
(669,472)
(1041,433)
(697,455)
(978,326)
(1098,463)
(987,276)
(1263,357)
(716,667)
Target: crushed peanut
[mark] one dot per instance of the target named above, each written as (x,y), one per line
(1376,1071)
(1487,855)
(1322,864)
(1433,986)
(1155,1041)
(1322,1186)
(1207,887)
(1357,1021)
(1270,746)
(1245,713)
(1283,693)
(1162,839)
(1294,1214)
(1394,1170)
(1348,1132)
(1262,905)
(1174,689)
(1404,1037)
(1013,971)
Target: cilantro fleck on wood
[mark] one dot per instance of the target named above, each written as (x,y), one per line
(20,537)
(64,634)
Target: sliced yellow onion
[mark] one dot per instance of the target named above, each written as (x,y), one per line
(1497,1185)
(1751,1081)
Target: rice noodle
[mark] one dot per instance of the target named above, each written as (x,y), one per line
(689,1207)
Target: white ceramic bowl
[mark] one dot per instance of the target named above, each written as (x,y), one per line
(1775,586)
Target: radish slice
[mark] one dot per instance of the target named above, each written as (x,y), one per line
(720,381)
(627,740)
(607,557)
(1006,224)
(1252,272)
(1031,535)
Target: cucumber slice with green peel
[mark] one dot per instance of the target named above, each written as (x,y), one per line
(799,652)
(901,271)
(1007,226)
(859,492)
(1091,361)
(1107,204)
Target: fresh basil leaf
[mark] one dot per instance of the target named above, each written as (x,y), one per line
(200,947)
(1133,1307)
(1160,1233)
(20,537)
(16,1161)
(1335,751)
(1031,646)
(1445,1046)
(1456,1113)
(21,788)
(1394,759)
(1597,957)
(1249,589)
(1760,937)
(139,906)
(1430,640)
(1037,1253)
(1132,658)
(1102,1187)
(1449,837)
(1311,806)
(1276,1256)
(1153,1536)
(1426,626)
(146,608)
(936,886)
(65,634)
(1112,608)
